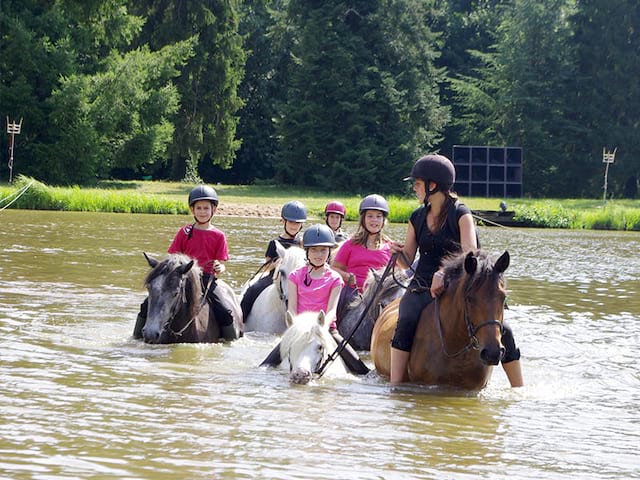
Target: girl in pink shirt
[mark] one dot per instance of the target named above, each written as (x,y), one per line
(369,248)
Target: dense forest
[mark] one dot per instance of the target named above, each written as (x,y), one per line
(338,95)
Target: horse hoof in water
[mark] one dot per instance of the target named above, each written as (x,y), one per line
(300,376)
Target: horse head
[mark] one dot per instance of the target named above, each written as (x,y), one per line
(306,344)
(174,291)
(289,259)
(476,288)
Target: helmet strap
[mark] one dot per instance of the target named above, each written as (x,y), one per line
(292,235)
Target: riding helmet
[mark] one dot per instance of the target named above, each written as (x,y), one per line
(294,211)
(436,168)
(335,207)
(318,236)
(203,192)
(374,202)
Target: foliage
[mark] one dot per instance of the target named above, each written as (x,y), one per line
(205,126)
(362,99)
(330,95)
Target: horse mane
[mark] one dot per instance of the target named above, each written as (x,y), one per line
(454,269)
(305,328)
(373,277)
(193,284)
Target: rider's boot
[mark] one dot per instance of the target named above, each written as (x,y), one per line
(273,359)
(141,319)
(349,356)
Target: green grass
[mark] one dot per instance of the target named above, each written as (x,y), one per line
(170,198)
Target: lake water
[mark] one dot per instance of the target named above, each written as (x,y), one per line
(80,399)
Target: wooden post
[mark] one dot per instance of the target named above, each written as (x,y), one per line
(13,129)
(607,158)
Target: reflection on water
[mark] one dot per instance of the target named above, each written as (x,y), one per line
(80,399)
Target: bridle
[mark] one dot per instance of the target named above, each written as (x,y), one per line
(180,302)
(472,329)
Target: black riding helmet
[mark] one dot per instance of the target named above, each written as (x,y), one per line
(203,192)
(435,168)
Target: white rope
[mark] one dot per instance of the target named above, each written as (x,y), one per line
(18,194)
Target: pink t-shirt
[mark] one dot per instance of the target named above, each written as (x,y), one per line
(204,245)
(359,260)
(315,296)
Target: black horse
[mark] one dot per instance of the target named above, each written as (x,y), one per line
(178,310)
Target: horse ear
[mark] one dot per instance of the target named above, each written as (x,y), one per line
(502,263)
(280,249)
(182,269)
(288,319)
(150,260)
(321,318)
(470,263)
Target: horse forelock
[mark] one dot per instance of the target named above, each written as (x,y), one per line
(167,269)
(304,330)
(457,276)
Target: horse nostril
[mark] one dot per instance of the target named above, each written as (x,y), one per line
(491,357)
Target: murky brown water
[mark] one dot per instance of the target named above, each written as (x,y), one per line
(80,399)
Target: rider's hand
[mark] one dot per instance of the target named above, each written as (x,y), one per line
(218,267)
(437,284)
(396,247)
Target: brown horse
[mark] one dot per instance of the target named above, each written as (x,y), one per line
(458,338)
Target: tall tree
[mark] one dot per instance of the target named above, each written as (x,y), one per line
(362,94)
(208,84)
(88,104)
(521,96)
(607,93)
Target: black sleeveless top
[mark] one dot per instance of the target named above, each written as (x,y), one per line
(433,247)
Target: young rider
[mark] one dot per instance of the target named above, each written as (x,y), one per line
(440,227)
(293,216)
(334,213)
(368,248)
(316,287)
(208,246)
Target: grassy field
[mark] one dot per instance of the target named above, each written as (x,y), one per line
(170,198)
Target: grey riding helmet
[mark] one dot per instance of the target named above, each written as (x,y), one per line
(294,211)
(374,202)
(203,192)
(318,236)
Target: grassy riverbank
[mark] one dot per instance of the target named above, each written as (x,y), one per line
(266,200)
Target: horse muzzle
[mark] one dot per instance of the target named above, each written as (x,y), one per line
(492,356)
(300,376)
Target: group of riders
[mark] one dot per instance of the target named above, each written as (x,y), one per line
(440,227)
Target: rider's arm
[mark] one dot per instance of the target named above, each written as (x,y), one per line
(332,304)
(467,232)
(341,268)
(292,305)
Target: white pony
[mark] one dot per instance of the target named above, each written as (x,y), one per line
(268,311)
(306,345)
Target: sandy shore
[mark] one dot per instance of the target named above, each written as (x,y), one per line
(248,210)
